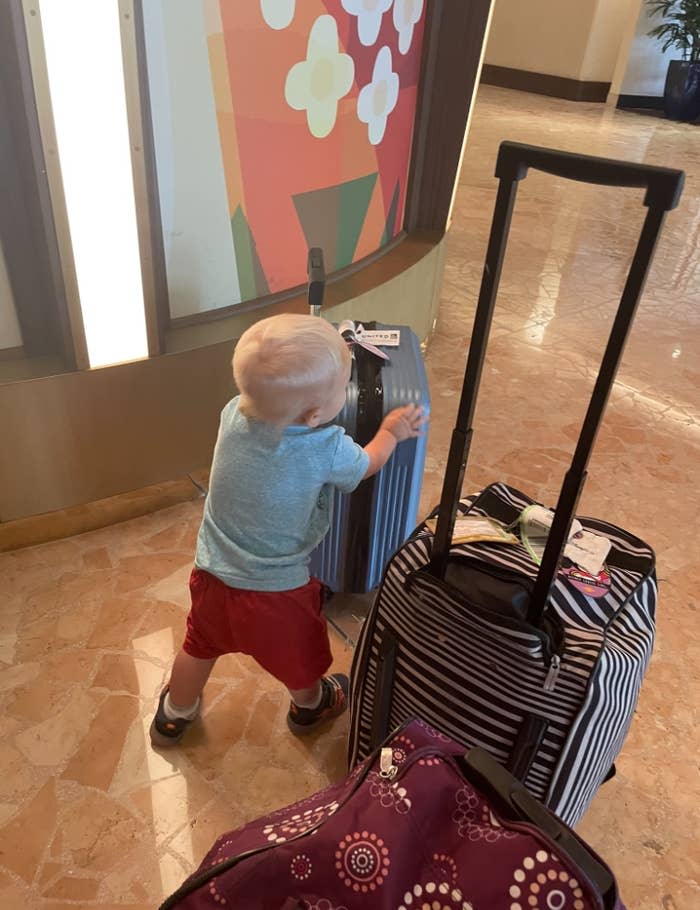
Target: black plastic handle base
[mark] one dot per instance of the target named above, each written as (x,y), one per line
(663,185)
(317,280)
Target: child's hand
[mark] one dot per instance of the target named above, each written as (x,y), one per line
(404,423)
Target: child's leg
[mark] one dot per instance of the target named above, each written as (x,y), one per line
(286,633)
(313,706)
(179,701)
(207,636)
(187,679)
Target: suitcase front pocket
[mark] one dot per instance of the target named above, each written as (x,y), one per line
(496,595)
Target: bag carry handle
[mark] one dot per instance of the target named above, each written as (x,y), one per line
(316,271)
(514,159)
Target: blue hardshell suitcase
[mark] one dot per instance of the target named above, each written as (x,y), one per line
(370,524)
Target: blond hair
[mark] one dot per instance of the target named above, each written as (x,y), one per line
(284,365)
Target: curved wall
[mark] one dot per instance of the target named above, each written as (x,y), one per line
(75,439)
(82,436)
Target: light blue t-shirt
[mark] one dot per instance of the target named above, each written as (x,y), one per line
(269,499)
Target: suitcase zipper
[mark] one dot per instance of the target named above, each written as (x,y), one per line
(387,768)
(390,771)
(553,673)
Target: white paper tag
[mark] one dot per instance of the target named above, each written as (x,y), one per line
(585,549)
(389,338)
(536,522)
(588,551)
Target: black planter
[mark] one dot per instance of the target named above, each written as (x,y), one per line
(682,91)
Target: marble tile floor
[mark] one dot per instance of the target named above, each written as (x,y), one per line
(90,816)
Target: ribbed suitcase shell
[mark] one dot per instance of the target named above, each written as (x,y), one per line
(394,506)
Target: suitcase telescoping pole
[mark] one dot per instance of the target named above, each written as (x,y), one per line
(663,189)
(317,280)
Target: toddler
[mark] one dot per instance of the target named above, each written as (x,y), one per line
(275,464)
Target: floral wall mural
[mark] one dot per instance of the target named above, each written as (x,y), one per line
(314,105)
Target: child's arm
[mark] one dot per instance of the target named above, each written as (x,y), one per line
(398,425)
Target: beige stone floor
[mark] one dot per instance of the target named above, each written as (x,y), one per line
(92,817)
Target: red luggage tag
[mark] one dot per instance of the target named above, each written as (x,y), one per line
(592,585)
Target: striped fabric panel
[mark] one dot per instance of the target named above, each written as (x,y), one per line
(469,683)
(476,678)
(599,730)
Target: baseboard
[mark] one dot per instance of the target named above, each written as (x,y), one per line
(543,84)
(37,529)
(16,353)
(641,102)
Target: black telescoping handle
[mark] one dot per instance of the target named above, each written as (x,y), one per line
(663,184)
(317,280)
(514,160)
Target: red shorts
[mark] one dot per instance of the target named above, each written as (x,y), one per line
(284,631)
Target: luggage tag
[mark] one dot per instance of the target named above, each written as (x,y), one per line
(595,586)
(586,550)
(356,336)
(387,338)
(473,528)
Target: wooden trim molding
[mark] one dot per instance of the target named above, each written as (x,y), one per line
(641,102)
(27,532)
(452,54)
(544,84)
(351,294)
(15,353)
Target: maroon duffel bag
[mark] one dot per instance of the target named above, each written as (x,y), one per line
(418,826)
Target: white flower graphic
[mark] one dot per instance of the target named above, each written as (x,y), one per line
(278,13)
(319,82)
(378,99)
(407,13)
(369,17)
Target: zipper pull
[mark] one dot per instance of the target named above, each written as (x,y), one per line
(387,768)
(553,673)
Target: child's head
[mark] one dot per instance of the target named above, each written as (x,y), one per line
(291,369)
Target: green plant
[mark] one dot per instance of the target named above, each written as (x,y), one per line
(680,28)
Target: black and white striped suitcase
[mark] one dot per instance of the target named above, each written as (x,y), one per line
(538,664)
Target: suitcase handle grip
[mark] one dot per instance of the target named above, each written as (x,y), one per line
(316,271)
(663,185)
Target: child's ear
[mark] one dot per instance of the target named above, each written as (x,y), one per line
(311,417)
